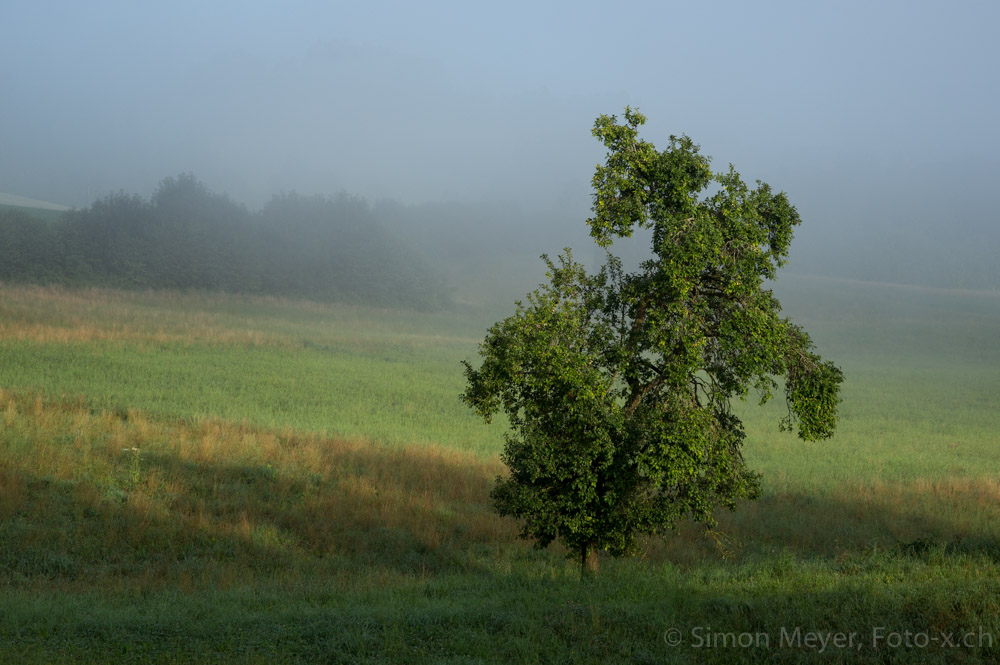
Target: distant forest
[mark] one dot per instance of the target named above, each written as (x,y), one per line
(187,237)
(422,256)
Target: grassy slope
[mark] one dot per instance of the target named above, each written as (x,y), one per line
(46,214)
(25,202)
(262,480)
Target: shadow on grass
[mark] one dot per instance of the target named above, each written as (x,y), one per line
(362,510)
(633,615)
(263,548)
(400,511)
(957,516)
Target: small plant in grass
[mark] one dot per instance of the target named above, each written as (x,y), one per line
(134,466)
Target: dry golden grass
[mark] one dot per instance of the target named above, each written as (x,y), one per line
(133,501)
(79,332)
(52,314)
(119,499)
(61,315)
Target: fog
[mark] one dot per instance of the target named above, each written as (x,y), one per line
(879,121)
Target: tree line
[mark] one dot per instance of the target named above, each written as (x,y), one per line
(188,237)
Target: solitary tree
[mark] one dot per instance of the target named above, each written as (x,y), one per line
(618,386)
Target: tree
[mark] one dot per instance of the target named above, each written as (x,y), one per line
(618,386)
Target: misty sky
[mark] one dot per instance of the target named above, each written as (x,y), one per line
(869,114)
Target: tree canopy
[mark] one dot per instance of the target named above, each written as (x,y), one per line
(618,386)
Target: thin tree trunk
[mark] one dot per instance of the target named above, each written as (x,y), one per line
(589,563)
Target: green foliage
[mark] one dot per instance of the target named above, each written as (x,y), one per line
(618,385)
(322,247)
(26,246)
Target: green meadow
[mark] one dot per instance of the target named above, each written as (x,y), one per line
(207,478)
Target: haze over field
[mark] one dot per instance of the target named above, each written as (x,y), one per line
(878,120)
(235,376)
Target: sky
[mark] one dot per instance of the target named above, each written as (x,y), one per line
(877,118)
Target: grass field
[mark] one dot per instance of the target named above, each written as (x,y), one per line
(194,478)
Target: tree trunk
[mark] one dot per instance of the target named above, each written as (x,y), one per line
(589,562)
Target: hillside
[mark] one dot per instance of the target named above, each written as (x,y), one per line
(44,210)
(16,201)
